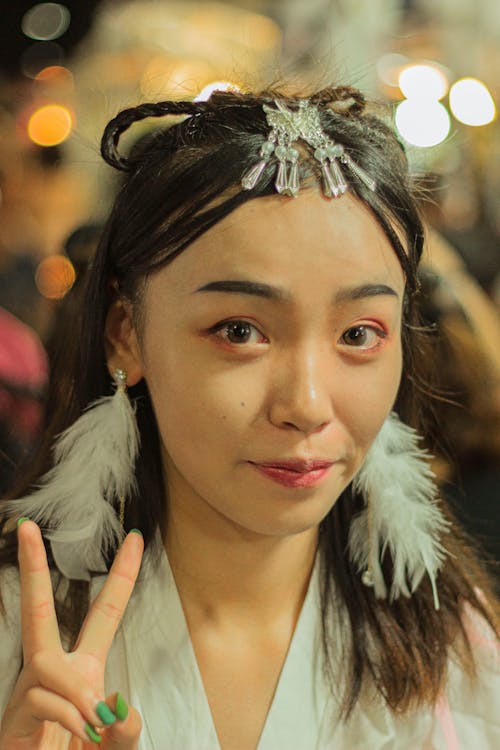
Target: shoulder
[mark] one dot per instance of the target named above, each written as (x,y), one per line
(467,714)
(472,705)
(484,641)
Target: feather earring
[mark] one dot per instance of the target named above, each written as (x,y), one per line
(93,470)
(401,514)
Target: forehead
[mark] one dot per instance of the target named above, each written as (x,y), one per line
(308,240)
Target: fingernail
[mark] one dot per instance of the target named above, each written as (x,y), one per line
(90,732)
(22,520)
(121,708)
(105,714)
(135,531)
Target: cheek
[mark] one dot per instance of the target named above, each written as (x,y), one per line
(196,406)
(370,396)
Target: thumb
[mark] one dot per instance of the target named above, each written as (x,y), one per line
(124,733)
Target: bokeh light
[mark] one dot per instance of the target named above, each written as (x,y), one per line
(260,32)
(422,123)
(471,102)
(423,81)
(50,125)
(55,276)
(57,76)
(209,89)
(41,55)
(46,21)
(168,77)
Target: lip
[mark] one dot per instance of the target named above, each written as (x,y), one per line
(292,477)
(300,465)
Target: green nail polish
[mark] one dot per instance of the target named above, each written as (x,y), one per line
(121,708)
(90,732)
(135,531)
(105,714)
(22,520)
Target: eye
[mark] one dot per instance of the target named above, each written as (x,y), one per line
(363,337)
(238,332)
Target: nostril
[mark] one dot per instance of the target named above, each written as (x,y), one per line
(305,429)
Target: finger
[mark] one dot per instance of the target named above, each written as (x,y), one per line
(38,617)
(41,705)
(75,743)
(104,616)
(57,675)
(126,731)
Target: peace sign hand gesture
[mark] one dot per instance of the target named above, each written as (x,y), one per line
(58,692)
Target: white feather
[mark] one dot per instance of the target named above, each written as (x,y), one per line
(93,466)
(401,516)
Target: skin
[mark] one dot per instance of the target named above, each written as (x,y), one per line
(292,381)
(57,692)
(291,386)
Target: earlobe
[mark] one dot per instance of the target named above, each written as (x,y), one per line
(121,342)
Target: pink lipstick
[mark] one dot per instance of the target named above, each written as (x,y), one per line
(295,473)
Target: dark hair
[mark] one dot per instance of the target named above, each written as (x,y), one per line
(181,181)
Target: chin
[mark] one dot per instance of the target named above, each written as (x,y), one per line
(297,520)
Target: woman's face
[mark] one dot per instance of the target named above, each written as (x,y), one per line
(276,336)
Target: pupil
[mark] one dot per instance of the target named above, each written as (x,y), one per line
(239,330)
(355,334)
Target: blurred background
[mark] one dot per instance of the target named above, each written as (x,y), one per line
(67,68)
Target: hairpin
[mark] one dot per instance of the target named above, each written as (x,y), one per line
(287,127)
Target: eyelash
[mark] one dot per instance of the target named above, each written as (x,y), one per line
(378,332)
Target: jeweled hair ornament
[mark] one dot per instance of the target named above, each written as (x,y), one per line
(303,124)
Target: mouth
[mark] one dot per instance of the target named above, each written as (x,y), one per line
(295,473)
(302,466)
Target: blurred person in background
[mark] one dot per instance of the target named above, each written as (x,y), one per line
(19,255)
(465,371)
(25,362)
(467,411)
(23,379)
(242,400)
(27,334)
(79,248)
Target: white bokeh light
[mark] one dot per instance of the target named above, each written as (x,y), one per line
(422,123)
(423,81)
(471,102)
(46,21)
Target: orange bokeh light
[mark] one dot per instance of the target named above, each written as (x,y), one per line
(54,276)
(56,75)
(50,125)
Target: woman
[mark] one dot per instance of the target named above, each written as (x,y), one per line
(264,340)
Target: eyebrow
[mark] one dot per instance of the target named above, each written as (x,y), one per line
(277,294)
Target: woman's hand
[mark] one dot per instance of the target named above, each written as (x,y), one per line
(58,701)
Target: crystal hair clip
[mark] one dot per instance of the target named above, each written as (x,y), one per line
(287,127)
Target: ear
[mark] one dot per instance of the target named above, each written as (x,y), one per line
(121,343)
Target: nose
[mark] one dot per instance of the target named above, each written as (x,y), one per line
(302,398)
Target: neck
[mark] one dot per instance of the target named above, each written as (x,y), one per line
(225,573)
